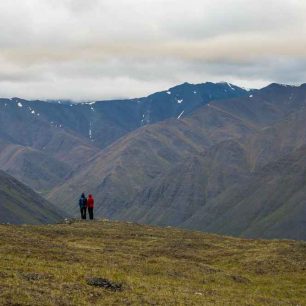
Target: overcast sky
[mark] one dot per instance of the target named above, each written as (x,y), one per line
(102,49)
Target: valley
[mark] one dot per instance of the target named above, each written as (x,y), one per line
(207,168)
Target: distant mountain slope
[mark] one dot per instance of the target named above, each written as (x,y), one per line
(271,203)
(120,171)
(179,193)
(103,122)
(20,204)
(33,167)
(20,127)
(145,172)
(42,143)
(203,192)
(221,196)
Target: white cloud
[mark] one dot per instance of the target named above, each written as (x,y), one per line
(117,48)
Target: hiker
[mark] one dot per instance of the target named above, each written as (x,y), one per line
(83,205)
(90,205)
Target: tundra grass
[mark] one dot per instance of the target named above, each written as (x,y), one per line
(50,265)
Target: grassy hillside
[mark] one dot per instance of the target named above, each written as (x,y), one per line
(56,264)
(20,204)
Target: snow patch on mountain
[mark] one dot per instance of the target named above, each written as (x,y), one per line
(246,88)
(180,115)
(230,86)
(286,85)
(90,131)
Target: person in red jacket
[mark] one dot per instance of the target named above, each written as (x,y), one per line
(90,206)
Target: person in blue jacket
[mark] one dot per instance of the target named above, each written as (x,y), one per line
(83,206)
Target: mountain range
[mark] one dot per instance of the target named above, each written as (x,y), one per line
(42,143)
(213,157)
(252,186)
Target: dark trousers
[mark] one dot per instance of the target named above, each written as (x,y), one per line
(83,213)
(90,212)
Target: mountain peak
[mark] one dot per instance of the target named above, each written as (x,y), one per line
(279,85)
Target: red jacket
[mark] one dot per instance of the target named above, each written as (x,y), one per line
(90,201)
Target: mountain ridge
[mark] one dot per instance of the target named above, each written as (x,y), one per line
(70,134)
(164,172)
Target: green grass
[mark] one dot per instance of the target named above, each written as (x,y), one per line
(49,265)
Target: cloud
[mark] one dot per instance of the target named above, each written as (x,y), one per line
(102,49)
